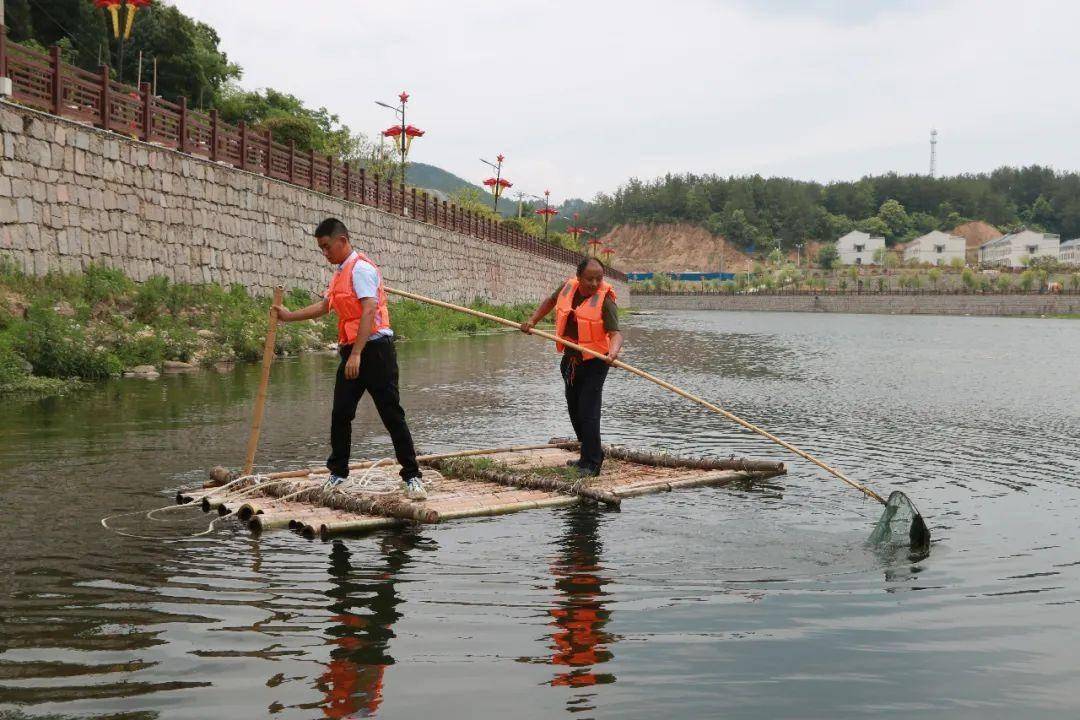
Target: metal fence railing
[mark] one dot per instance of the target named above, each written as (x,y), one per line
(44,82)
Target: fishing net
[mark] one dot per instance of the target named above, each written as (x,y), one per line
(901,524)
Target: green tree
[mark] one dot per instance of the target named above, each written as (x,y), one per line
(738,229)
(968,278)
(828,256)
(1027,280)
(1004,282)
(873,225)
(935,277)
(1041,214)
(896,220)
(190,62)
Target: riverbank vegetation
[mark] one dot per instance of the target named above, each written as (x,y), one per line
(756,214)
(63,329)
(776,274)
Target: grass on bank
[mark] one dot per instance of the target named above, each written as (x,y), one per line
(88,326)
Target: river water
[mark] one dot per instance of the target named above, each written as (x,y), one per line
(715,602)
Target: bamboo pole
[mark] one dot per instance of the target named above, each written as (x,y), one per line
(651,378)
(260,398)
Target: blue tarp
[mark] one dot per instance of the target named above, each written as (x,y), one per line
(684,276)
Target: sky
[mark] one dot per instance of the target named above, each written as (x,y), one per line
(582,95)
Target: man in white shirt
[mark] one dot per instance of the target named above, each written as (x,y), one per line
(368,359)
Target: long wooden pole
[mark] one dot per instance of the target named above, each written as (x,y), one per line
(651,378)
(260,398)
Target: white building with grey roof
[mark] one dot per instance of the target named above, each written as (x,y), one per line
(858,248)
(936,248)
(1014,249)
(1069,253)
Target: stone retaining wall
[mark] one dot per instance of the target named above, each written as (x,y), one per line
(72,195)
(877,304)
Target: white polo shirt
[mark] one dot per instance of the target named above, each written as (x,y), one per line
(365,282)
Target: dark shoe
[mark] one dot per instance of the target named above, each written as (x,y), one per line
(588,471)
(573,463)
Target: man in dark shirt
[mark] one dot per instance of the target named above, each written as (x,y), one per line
(586,314)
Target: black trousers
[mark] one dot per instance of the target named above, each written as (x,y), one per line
(379,377)
(584,382)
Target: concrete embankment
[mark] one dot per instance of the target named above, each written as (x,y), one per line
(885,304)
(72,196)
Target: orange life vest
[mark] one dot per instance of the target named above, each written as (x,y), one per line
(343,301)
(589,316)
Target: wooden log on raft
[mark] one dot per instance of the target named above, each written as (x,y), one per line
(394,506)
(642,457)
(455,467)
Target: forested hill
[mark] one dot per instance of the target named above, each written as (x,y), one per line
(430,177)
(756,212)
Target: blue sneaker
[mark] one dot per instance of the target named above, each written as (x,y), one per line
(414,489)
(333,481)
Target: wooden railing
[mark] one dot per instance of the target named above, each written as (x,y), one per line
(44,82)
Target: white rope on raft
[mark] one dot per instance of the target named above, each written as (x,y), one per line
(105,523)
(152,515)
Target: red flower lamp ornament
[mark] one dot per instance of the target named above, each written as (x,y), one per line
(497,185)
(402,135)
(133,6)
(113,6)
(410,133)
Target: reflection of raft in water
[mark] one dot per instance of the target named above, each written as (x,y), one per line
(472,484)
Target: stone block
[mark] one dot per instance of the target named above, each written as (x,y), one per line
(24,206)
(37,129)
(10,121)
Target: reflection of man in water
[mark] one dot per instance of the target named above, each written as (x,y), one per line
(579,615)
(364,606)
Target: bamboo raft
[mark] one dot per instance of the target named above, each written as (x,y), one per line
(473,484)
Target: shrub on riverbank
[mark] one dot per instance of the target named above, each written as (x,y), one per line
(96,324)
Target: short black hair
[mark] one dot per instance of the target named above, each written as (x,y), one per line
(331,228)
(585,263)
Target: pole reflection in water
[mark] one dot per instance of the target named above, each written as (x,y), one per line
(364,610)
(578,642)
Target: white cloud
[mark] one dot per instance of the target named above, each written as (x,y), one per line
(582,95)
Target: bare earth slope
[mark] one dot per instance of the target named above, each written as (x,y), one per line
(976,233)
(671,247)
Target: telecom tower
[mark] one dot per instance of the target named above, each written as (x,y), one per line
(933,151)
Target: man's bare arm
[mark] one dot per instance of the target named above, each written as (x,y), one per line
(315,310)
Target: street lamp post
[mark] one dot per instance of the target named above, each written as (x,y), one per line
(498,183)
(402,134)
(798,261)
(547,212)
(575,230)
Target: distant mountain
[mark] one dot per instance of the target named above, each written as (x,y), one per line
(446,183)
